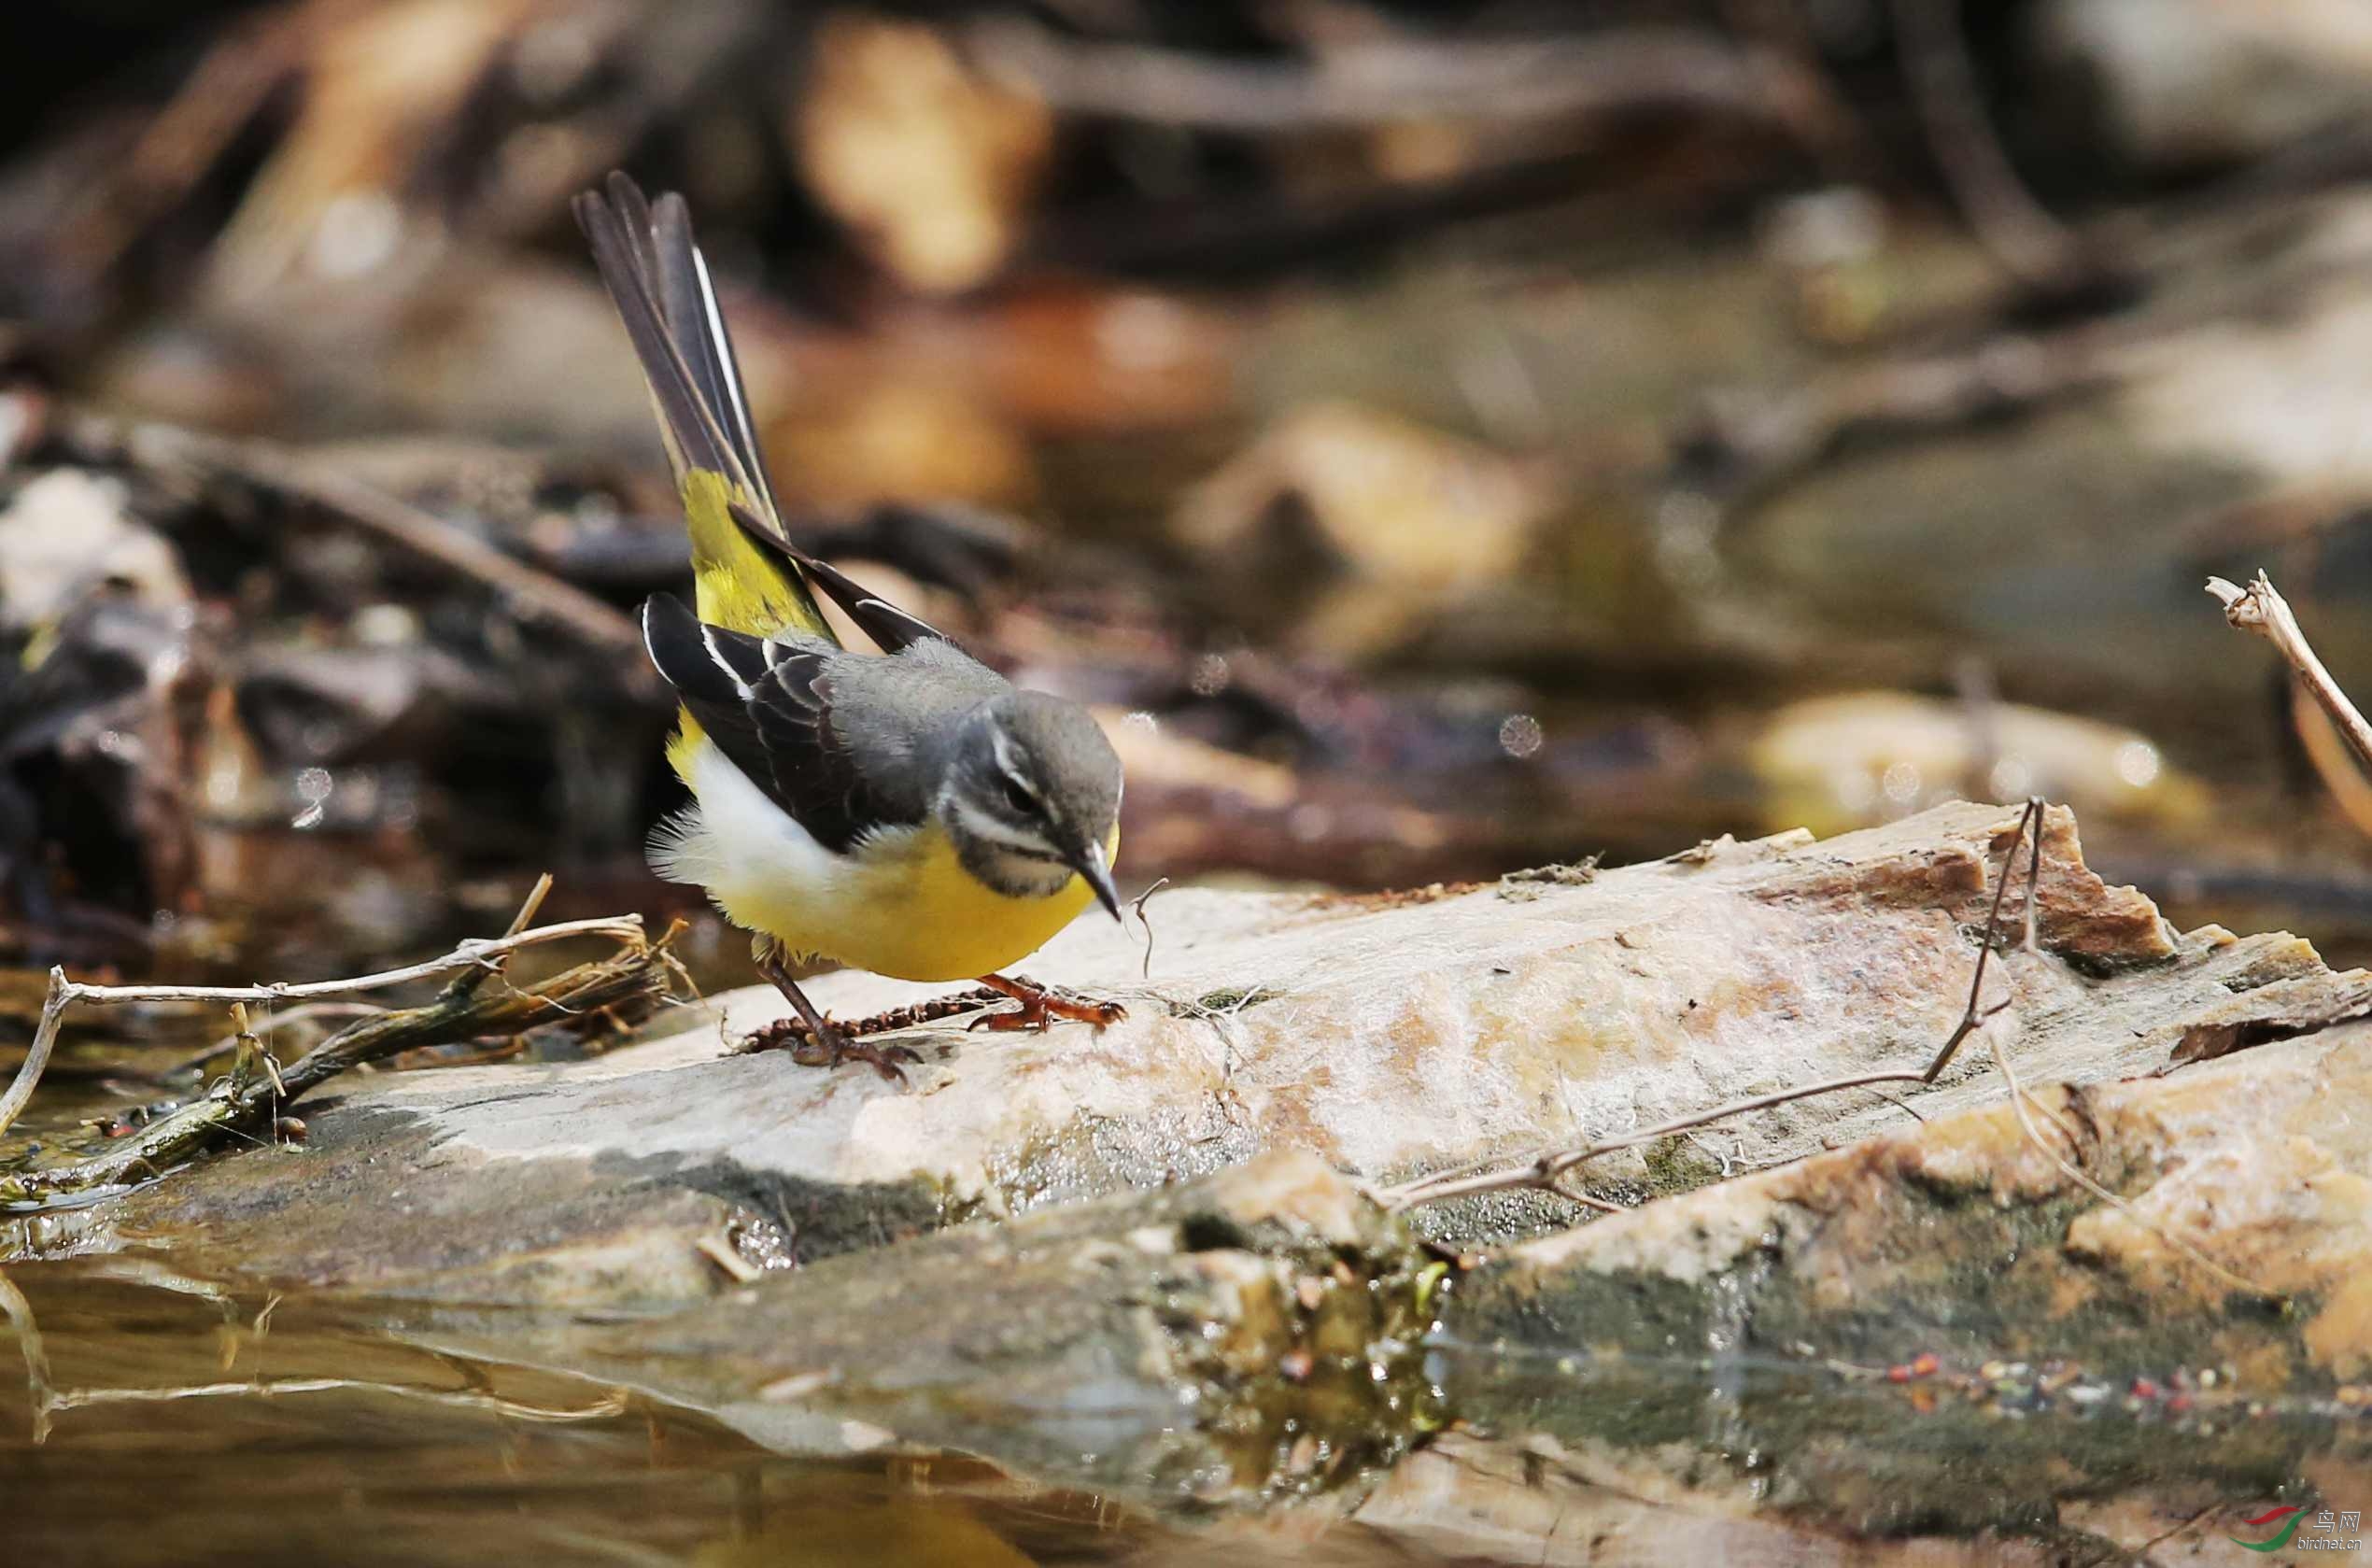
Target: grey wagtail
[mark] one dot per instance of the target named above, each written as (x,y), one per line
(910,811)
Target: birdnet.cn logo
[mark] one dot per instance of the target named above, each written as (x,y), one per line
(2292,1529)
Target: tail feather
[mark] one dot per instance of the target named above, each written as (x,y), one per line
(697,323)
(749,577)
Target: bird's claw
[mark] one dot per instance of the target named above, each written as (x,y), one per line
(1039,1008)
(883,1059)
(834,1047)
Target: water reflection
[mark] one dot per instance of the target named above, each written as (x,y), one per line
(161,1419)
(165,1420)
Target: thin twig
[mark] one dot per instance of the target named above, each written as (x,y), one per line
(476,952)
(1137,907)
(1974,1015)
(269,1024)
(1544,1169)
(2260,609)
(792,1034)
(466,984)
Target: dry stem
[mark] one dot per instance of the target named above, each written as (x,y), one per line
(2260,609)
(642,968)
(1544,1170)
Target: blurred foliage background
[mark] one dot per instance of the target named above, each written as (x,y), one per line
(1439,438)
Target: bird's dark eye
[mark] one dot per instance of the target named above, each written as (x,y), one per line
(1018,797)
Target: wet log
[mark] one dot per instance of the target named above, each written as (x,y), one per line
(1389,1036)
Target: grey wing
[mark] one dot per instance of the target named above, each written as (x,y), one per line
(893,714)
(768,705)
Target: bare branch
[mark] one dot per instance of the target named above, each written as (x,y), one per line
(1384,82)
(1544,1171)
(476,952)
(2260,609)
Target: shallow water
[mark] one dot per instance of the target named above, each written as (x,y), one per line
(162,1420)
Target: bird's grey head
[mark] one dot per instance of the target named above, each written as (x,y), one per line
(1030,795)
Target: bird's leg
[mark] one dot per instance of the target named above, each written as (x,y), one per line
(1040,1007)
(832,1046)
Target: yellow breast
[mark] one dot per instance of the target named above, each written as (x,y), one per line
(899,904)
(909,910)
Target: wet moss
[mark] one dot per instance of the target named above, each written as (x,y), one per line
(1233,998)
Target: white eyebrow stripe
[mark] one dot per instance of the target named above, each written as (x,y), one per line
(980,825)
(1006,763)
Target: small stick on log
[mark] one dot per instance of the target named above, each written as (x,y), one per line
(790,1033)
(466,984)
(308,1014)
(1136,908)
(2260,609)
(1972,1017)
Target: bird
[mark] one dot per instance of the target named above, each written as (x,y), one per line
(908,812)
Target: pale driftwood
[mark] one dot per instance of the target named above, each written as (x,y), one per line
(1545,1168)
(1394,1037)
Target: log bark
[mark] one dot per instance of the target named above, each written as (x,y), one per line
(1389,1036)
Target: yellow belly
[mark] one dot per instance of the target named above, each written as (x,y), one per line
(909,910)
(900,905)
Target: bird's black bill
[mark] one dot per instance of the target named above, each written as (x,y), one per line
(1092,868)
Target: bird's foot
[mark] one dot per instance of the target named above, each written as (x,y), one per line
(890,1061)
(834,1045)
(1039,1008)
